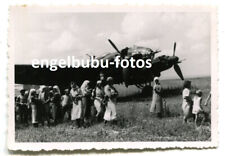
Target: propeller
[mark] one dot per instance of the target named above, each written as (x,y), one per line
(178,71)
(174,48)
(114,46)
(176,66)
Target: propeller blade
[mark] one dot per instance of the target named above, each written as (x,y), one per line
(88,55)
(114,46)
(181,60)
(174,48)
(178,71)
(157,51)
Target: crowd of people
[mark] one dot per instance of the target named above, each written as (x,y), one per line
(83,105)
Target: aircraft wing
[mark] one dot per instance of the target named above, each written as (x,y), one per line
(26,74)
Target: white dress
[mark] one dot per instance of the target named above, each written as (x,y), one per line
(77,106)
(99,95)
(110,112)
(186,105)
(34,113)
(156,106)
(196,105)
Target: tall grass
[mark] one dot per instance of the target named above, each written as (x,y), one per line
(135,123)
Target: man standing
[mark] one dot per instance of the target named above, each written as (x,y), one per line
(23,109)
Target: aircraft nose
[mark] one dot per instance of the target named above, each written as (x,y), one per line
(175,59)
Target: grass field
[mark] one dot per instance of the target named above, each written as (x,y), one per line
(135,123)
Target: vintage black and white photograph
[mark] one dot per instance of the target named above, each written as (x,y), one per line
(87,76)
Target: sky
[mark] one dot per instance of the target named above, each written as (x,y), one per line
(50,35)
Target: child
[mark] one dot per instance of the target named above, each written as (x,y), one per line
(197,105)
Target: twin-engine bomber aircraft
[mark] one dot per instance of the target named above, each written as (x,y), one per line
(141,77)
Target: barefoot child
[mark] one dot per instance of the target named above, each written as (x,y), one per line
(197,105)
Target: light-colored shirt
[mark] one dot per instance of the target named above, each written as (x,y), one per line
(22,100)
(186,105)
(65,100)
(99,92)
(196,105)
(186,95)
(111,92)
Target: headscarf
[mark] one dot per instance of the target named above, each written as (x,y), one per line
(109,79)
(99,83)
(26,94)
(156,79)
(57,89)
(41,90)
(32,91)
(84,87)
(199,92)
(42,87)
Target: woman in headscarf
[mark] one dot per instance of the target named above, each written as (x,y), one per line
(44,106)
(98,95)
(76,111)
(56,100)
(33,101)
(111,93)
(187,101)
(86,102)
(157,105)
(52,106)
